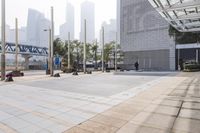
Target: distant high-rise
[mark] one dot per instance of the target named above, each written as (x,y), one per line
(7,32)
(118,20)
(68,26)
(88,14)
(109,31)
(36,25)
(21,35)
(10,35)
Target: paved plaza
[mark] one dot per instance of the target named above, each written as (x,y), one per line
(102,103)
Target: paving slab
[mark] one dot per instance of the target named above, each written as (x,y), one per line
(5,116)
(6,129)
(110,121)
(77,130)
(166,102)
(190,114)
(133,128)
(155,120)
(58,128)
(191,105)
(160,109)
(96,127)
(118,115)
(129,111)
(187,125)
(29,129)
(16,123)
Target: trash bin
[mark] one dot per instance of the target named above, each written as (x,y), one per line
(47,72)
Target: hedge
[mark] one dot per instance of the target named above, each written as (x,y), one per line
(192,67)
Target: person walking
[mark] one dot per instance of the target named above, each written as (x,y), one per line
(136,66)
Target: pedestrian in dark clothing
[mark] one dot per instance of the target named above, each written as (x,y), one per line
(136,66)
(181,64)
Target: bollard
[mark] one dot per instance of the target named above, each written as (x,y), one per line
(75,73)
(57,75)
(89,72)
(9,78)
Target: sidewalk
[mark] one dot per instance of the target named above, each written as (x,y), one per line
(171,106)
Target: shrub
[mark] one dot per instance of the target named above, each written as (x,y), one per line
(192,67)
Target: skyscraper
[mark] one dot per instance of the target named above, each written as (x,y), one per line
(109,31)
(10,35)
(68,26)
(88,14)
(118,20)
(7,32)
(36,24)
(145,37)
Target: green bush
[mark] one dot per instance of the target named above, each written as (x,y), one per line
(192,67)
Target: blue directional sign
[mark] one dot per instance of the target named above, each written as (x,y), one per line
(57,61)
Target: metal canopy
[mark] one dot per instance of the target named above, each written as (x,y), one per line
(184,15)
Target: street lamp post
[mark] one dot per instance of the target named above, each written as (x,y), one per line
(197,50)
(116,53)
(102,49)
(49,52)
(84,47)
(16,43)
(96,50)
(69,50)
(3,38)
(52,39)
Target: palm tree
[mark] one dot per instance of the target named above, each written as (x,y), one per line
(89,56)
(77,52)
(94,49)
(58,46)
(108,50)
(72,58)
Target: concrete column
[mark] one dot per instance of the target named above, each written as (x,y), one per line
(150,63)
(197,55)
(27,63)
(69,51)
(49,55)
(26,57)
(52,39)
(84,47)
(172,57)
(102,49)
(3,40)
(16,43)
(178,59)
(116,52)
(144,63)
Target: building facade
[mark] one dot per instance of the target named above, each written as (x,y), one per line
(109,31)
(36,24)
(68,26)
(144,37)
(88,14)
(118,20)
(10,35)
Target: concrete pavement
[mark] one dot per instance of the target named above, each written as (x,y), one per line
(138,104)
(171,106)
(34,104)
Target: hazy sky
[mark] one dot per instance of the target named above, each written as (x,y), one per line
(105,10)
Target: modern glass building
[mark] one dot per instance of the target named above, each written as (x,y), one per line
(184,15)
(145,34)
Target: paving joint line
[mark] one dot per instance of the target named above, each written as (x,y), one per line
(182,102)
